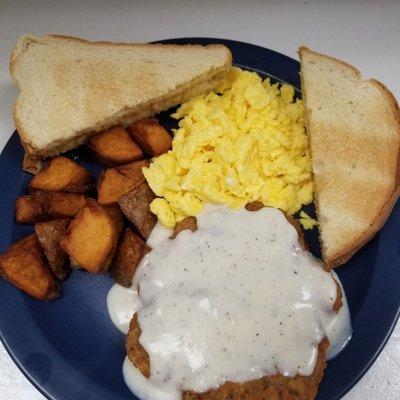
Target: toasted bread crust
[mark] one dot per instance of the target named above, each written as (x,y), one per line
(180,94)
(28,39)
(379,220)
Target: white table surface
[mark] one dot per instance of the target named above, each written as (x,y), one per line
(364,33)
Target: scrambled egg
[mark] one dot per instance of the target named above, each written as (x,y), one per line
(306,221)
(246,142)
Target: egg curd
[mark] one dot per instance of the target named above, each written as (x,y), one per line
(245,142)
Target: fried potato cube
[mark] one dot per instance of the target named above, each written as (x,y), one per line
(112,185)
(118,217)
(186,223)
(32,164)
(65,205)
(133,170)
(50,234)
(62,174)
(115,147)
(151,136)
(130,251)
(115,182)
(91,238)
(74,264)
(29,209)
(24,265)
(43,206)
(136,207)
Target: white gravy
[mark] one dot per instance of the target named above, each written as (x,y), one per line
(234,301)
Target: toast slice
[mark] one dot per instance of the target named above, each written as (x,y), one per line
(354,129)
(72,88)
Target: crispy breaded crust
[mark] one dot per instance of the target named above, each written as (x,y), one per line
(135,351)
(186,223)
(276,387)
(49,235)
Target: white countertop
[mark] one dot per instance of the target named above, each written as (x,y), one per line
(364,33)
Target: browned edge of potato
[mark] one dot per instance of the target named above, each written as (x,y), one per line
(136,207)
(50,234)
(31,163)
(25,266)
(130,251)
(118,217)
(43,206)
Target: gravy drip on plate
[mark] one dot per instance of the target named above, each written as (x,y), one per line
(234,301)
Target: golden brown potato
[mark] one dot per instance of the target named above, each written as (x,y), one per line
(115,147)
(186,223)
(130,251)
(91,238)
(24,265)
(65,205)
(43,206)
(115,182)
(49,234)
(62,174)
(151,136)
(112,185)
(136,207)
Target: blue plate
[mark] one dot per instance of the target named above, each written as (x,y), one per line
(70,350)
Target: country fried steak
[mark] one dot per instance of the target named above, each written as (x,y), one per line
(276,387)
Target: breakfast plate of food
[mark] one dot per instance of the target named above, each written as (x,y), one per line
(197,219)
